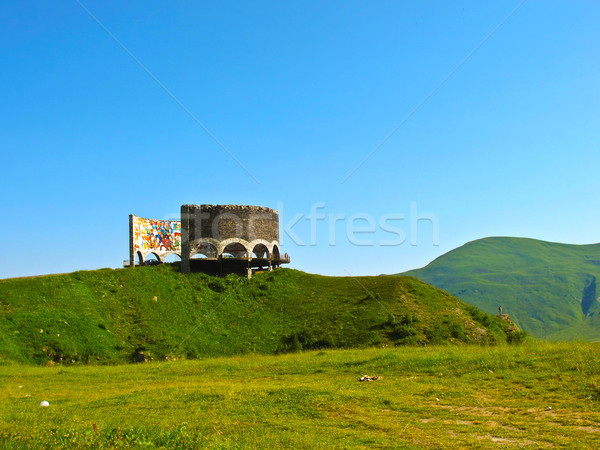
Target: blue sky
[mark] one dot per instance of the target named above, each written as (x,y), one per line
(300,93)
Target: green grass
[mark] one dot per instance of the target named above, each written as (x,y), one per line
(432,397)
(110,316)
(548,289)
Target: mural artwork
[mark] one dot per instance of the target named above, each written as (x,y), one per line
(156,235)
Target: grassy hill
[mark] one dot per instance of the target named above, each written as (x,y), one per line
(113,316)
(549,289)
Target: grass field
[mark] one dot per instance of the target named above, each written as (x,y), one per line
(450,396)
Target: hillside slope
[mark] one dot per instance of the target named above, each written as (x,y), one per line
(119,315)
(549,289)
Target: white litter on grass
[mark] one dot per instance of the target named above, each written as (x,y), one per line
(368,378)
(549,408)
(44,403)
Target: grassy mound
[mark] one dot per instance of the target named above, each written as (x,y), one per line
(548,289)
(125,315)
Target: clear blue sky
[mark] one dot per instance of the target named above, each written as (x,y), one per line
(300,93)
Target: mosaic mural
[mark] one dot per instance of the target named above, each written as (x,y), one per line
(156,235)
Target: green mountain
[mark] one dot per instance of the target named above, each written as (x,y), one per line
(113,316)
(548,289)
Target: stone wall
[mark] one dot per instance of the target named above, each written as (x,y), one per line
(238,230)
(223,222)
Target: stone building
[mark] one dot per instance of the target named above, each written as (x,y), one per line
(212,238)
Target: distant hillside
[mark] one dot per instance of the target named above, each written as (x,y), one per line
(549,289)
(119,315)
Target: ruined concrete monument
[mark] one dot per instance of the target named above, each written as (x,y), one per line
(211,238)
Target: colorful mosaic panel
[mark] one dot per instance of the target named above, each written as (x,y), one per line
(156,235)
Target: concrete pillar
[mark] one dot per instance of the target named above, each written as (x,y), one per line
(131,243)
(185,240)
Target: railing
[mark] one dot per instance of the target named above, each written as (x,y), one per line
(285,257)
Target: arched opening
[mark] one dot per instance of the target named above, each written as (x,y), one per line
(276,252)
(206,250)
(199,256)
(139,259)
(260,251)
(172,258)
(235,250)
(152,260)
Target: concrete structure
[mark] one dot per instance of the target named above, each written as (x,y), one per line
(211,238)
(160,238)
(230,234)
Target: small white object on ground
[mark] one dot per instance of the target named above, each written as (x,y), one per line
(548,408)
(44,403)
(368,378)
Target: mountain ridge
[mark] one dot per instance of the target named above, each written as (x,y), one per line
(546,287)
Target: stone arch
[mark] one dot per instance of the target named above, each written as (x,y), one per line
(172,259)
(260,241)
(155,254)
(140,257)
(276,254)
(266,243)
(260,251)
(223,244)
(236,249)
(205,247)
(199,242)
